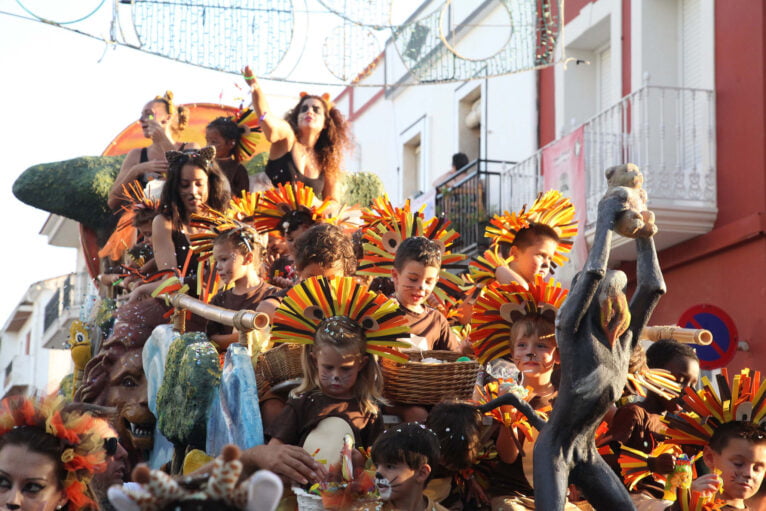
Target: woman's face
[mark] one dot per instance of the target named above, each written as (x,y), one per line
(311,114)
(192,187)
(153,111)
(223,146)
(30,485)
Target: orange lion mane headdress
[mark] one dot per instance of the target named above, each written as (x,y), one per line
(81,436)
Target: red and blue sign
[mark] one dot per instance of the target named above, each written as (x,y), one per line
(725,338)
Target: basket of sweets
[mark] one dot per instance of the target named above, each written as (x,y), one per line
(429,377)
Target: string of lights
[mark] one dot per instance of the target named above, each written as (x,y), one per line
(275,35)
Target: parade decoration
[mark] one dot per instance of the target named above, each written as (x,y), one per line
(81,434)
(80,349)
(634,464)
(741,398)
(353,36)
(220,489)
(315,302)
(550,208)
(270,211)
(251,141)
(387,226)
(500,306)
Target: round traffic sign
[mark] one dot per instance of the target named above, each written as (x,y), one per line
(720,352)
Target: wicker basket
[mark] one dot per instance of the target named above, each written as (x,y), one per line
(281,363)
(427,384)
(310,502)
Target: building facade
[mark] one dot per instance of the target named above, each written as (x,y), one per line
(675,86)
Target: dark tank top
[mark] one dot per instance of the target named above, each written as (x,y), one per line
(283,170)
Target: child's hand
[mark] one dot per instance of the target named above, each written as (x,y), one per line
(662,464)
(708,485)
(142,292)
(290,461)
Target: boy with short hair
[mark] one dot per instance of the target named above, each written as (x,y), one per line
(417,264)
(404,456)
(737,451)
(532,250)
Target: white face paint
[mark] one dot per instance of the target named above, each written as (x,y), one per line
(384,487)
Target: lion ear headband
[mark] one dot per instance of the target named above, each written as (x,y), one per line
(501,306)
(203,157)
(550,208)
(388,226)
(325,97)
(742,398)
(319,302)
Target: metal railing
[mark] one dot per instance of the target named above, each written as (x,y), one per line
(669,132)
(469,198)
(67,298)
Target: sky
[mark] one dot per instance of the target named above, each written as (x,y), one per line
(63,95)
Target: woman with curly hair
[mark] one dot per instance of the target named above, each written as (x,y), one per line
(48,454)
(307,145)
(162,122)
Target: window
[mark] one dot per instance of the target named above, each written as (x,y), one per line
(412,167)
(604,78)
(470,112)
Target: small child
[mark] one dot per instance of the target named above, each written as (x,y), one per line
(532,253)
(237,255)
(404,456)
(535,353)
(282,272)
(458,426)
(416,271)
(639,425)
(341,378)
(738,450)
(736,455)
(512,321)
(224,134)
(321,250)
(536,238)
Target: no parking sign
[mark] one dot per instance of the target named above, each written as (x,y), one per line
(720,352)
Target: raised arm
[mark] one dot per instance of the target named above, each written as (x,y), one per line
(650,286)
(274,129)
(584,288)
(130,171)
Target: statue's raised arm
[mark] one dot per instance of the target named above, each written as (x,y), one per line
(596,332)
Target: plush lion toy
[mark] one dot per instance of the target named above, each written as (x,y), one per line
(626,181)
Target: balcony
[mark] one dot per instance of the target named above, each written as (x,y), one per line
(64,307)
(669,132)
(18,375)
(469,198)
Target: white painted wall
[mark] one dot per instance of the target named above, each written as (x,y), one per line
(45,367)
(664,39)
(596,27)
(508,110)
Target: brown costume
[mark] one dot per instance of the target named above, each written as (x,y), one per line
(432,325)
(302,414)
